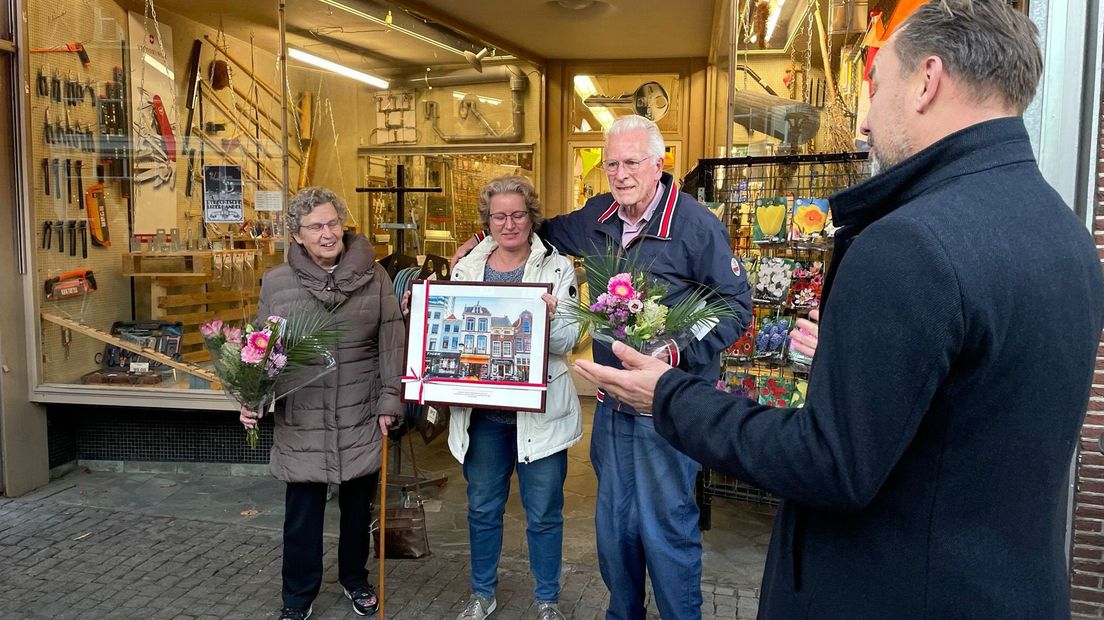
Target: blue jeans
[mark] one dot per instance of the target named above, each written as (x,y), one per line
(646,517)
(492,454)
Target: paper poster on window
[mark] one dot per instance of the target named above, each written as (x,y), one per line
(222,195)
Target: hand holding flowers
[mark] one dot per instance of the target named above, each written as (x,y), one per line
(266,362)
(630,308)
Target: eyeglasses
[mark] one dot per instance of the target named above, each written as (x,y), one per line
(334,225)
(631,165)
(517,216)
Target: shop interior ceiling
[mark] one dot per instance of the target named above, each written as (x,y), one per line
(341,30)
(589,29)
(565,29)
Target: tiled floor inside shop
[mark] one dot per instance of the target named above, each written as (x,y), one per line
(252,501)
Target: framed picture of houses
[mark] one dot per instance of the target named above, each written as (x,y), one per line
(477,344)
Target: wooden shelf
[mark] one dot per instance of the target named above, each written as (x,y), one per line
(195,264)
(103,336)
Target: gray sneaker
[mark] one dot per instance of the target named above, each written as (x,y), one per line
(478,608)
(549,611)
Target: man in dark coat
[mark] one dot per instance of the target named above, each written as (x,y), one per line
(926,474)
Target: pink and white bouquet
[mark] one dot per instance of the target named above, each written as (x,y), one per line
(268,361)
(629,307)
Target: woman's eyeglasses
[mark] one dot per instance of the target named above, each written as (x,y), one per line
(334,225)
(517,216)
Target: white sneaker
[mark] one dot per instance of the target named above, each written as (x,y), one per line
(549,611)
(478,608)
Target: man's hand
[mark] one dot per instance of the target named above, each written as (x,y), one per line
(405,305)
(248,418)
(635,385)
(805,334)
(461,252)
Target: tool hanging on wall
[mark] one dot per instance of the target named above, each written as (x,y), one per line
(189,144)
(97,215)
(76,47)
(74,283)
(80,185)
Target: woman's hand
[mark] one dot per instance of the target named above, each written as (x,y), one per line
(405,305)
(249,418)
(550,301)
(385,423)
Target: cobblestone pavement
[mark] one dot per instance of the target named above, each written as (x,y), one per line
(65,561)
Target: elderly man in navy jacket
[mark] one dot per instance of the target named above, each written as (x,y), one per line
(646,517)
(925,477)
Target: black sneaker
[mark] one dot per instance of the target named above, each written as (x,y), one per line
(296,613)
(364,599)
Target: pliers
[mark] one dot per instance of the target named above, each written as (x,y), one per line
(42,85)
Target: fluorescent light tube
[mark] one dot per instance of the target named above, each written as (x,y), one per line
(329,65)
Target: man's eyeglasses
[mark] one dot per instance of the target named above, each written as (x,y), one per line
(517,216)
(632,165)
(334,225)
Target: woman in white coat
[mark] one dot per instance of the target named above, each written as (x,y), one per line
(491,443)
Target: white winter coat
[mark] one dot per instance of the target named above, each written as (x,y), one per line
(560,425)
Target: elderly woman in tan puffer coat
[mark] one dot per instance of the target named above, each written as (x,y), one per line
(332,430)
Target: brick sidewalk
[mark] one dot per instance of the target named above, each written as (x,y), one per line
(63,561)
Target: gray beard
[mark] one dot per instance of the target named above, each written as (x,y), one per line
(876,166)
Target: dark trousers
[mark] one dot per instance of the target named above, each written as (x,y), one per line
(304,513)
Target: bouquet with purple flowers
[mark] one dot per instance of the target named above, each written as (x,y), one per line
(629,308)
(266,362)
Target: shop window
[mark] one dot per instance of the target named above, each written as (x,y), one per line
(156,147)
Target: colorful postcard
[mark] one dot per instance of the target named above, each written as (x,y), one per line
(808,220)
(770,220)
(772,337)
(797,398)
(741,384)
(774,391)
(829,227)
(808,280)
(772,283)
(745,346)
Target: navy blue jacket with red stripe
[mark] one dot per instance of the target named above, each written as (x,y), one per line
(685,245)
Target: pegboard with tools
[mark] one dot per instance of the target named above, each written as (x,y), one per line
(80,182)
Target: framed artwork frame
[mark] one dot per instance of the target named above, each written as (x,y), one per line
(477,344)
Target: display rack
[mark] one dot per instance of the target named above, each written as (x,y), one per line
(731,187)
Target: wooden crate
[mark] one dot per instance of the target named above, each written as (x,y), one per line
(194,300)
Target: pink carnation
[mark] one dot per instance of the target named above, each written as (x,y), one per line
(620,286)
(233,334)
(275,318)
(211,329)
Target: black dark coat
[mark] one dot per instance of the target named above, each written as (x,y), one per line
(926,475)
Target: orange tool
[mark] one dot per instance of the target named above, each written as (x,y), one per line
(77,47)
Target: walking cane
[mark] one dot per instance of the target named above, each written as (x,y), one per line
(382,520)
